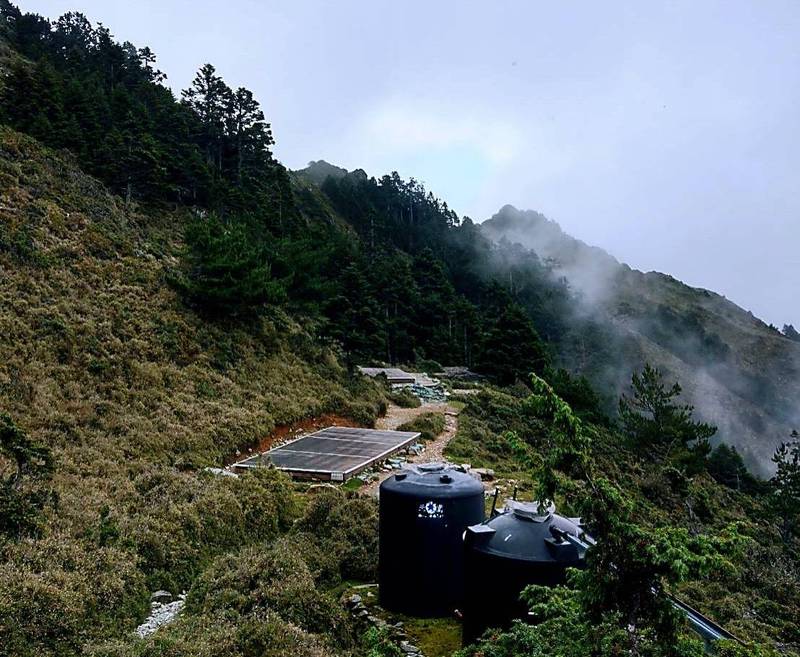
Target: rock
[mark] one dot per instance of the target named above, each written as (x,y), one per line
(161,613)
(486,474)
(161,596)
(354,600)
(221,472)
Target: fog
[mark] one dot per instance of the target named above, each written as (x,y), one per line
(740,375)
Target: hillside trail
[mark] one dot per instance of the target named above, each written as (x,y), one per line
(434,450)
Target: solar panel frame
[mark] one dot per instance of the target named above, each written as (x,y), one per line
(335,453)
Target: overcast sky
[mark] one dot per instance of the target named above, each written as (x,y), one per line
(667,133)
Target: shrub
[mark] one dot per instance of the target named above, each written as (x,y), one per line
(404,398)
(187,521)
(429,424)
(24,491)
(429,366)
(346,527)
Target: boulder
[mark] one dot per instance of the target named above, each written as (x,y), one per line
(161,596)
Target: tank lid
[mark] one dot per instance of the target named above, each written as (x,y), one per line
(430,467)
(524,533)
(433,479)
(531,510)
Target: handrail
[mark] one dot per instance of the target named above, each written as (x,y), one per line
(704,626)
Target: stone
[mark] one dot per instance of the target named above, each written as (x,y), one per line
(220,472)
(161,613)
(486,474)
(161,596)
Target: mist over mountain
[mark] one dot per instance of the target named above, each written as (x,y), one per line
(741,374)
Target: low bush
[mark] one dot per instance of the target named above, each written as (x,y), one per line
(429,424)
(404,398)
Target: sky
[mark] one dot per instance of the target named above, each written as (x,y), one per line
(667,133)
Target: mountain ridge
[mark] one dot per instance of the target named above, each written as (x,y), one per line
(724,387)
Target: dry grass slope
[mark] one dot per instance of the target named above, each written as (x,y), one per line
(135,393)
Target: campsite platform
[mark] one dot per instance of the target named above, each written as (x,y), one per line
(393,375)
(332,454)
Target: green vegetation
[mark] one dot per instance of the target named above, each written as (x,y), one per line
(133,394)
(785,498)
(660,526)
(430,424)
(228,267)
(276,597)
(436,637)
(658,427)
(24,492)
(194,295)
(405,398)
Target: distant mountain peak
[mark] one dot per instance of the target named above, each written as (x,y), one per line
(318,170)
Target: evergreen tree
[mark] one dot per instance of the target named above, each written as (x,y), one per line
(791,332)
(357,325)
(229,269)
(209,97)
(618,605)
(785,497)
(726,466)
(25,469)
(512,349)
(658,426)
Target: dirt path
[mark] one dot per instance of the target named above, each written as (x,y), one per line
(434,450)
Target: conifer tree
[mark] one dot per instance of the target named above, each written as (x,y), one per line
(229,271)
(25,469)
(785,497)
(659,426)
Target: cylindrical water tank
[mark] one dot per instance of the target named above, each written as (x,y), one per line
(522,545)
(424,511)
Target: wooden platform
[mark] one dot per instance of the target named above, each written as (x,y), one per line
(333,454)
(393,374)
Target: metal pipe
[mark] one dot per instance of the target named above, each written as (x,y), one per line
(494,503)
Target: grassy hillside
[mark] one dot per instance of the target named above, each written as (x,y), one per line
(135,393)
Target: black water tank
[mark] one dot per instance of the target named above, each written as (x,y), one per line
(518,547)
(424,511)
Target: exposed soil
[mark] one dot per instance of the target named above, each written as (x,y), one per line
(286,432)
(434,450)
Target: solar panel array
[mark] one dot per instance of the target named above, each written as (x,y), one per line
(335,452)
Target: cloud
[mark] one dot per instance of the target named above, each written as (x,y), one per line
(408,127)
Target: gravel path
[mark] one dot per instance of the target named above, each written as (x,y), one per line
(434,450)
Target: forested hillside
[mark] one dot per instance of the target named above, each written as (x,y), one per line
(170,295)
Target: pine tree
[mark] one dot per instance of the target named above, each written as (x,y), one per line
(658,426)
(24,489)
(512,349)
(791,332)
(210,97)
(785,497)
(229,270)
